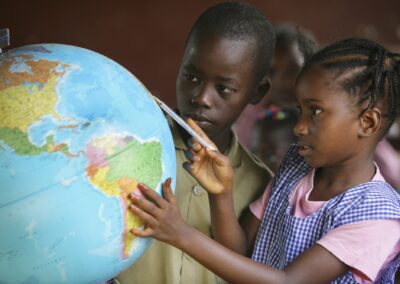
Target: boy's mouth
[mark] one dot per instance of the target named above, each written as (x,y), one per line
(199,119)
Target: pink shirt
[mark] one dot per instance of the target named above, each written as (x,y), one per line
(348,242)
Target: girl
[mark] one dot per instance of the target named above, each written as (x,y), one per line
(328,215)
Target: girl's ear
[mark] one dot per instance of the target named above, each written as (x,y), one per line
(370,122)
(261,91)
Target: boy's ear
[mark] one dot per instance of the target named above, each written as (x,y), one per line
(370,122)
(261,91)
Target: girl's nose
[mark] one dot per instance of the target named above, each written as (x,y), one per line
(301,128)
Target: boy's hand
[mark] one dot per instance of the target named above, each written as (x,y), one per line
(211,169)
(161,215)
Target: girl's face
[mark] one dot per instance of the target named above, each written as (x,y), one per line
(327,128)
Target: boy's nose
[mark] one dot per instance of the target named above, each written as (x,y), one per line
(203,97)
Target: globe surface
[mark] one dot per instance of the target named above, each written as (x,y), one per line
(77,133)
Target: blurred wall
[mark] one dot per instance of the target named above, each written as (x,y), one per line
(147,37)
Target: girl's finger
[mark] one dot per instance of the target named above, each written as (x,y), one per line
(199,131)
(188,167)
(219,158)
(194,145)
(191,155)
(145,205)
(148,232)
(142,214)
(168,195)
(151,195)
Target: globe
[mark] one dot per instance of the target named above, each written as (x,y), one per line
(78,132)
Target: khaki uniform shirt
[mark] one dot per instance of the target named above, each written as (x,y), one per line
(163,263)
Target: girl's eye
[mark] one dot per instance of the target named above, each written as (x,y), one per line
(315,111)
(224,89)
(191,77)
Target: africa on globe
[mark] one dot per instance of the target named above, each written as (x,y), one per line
(78,132)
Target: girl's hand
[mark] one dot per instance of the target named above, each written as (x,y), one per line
(211,169)
(161,215)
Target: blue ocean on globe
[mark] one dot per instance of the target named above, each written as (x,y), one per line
(78,132)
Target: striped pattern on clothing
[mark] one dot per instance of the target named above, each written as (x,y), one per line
(282,236)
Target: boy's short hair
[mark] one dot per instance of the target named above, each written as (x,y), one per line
(240,21)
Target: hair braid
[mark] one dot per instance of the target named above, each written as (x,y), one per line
(365,69)
(394,85)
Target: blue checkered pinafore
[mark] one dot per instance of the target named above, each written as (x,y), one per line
(282,237)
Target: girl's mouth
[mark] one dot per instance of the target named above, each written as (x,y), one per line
(304,150)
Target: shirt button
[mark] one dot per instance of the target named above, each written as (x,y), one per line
(197,190)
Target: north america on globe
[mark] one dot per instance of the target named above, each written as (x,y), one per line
(78,132)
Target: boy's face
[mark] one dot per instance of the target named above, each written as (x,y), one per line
(215,82)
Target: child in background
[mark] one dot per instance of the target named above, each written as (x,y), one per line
(393,135)
(272,135)
(388,160)
(328,215)
(225,66)
(294,46)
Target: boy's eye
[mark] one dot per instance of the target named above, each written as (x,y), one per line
(224,89)
(191,77)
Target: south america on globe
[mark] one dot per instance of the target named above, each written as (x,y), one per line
(78,132)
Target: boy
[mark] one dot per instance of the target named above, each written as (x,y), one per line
(224,67)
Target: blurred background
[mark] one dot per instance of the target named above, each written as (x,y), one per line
(147,37)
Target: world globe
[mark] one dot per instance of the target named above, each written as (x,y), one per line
(78,132)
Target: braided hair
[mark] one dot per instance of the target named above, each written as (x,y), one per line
(365,69)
